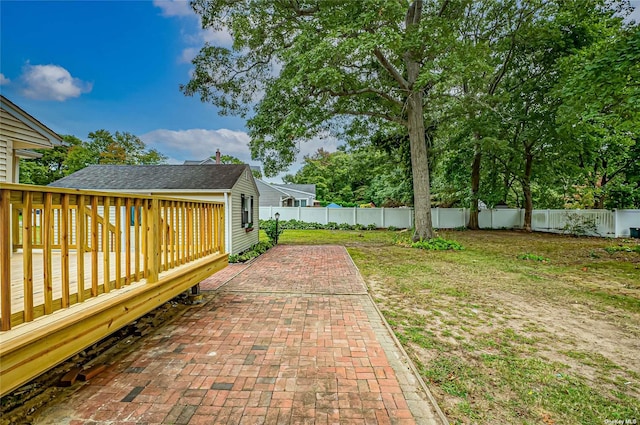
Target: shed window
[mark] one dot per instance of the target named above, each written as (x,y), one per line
(247,210)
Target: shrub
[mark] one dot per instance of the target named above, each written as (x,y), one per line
(273,232)
(580,225)
(251,253)
(372,226)
(438,244)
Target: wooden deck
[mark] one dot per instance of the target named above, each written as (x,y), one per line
(76,266)
(37,258)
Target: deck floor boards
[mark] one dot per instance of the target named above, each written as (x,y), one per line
(17,275)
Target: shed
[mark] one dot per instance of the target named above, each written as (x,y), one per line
(232,184)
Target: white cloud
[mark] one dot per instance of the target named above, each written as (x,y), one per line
(4,80)
(219,38)
(51,82)
(180,145)
(174,7)
(188,54)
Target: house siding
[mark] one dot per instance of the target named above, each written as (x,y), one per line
(269,197)
(243,240)
(22,135)
(5,160)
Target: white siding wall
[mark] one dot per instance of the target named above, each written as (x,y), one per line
(5,159)
(24,137)
(241,239)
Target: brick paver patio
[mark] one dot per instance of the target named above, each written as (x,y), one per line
(291,339)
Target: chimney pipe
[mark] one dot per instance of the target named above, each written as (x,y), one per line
(218,156)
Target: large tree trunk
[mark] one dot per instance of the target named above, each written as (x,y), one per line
(417,141)
(419,169)
(526,189)
(475,187)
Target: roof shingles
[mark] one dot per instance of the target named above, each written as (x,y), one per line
(153,177)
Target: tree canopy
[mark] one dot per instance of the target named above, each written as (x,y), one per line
(504,101)
(102,147)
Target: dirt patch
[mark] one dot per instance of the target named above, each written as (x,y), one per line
(503,338)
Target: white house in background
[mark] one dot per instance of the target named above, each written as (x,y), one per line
(286,195)
(20,132)
(232,184)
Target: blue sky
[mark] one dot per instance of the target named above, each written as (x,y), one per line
(80,66)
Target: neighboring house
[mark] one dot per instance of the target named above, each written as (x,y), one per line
(229,183)
(286,195)
(19,132)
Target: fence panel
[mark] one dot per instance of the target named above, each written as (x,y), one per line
(624,220)
(608,223)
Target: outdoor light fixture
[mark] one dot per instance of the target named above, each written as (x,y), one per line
(277,216)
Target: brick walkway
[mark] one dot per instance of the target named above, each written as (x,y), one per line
(293,338)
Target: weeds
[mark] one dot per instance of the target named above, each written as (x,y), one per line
(533,257)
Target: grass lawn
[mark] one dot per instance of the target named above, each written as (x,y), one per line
(516,328)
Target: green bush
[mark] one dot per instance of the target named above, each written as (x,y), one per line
(580,225)
(272,230)
(438,244)
(251,253)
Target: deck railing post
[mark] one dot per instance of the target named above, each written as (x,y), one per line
(5,258)
(153,239)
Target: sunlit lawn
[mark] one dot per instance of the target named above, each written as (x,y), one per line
(516,328)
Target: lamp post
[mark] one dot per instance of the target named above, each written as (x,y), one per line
(277,215)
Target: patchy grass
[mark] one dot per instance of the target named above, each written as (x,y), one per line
(552,339)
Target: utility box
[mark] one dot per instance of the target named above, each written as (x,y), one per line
(634,232)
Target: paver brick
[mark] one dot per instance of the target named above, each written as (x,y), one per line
(291,338)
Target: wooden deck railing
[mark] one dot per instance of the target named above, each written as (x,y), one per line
(74,245)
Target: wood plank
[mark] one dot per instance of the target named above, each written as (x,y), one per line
(153,243)
(81,232)
(64,250)
(118,247)
(5,259)
(172,233)
(94,245)
(27,264)
(166,229)
(106,206)
(136,230)
(47,229)
(189,253)
(127,240)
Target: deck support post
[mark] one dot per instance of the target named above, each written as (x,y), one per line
(5,259)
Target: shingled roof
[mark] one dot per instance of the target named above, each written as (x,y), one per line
(153,177)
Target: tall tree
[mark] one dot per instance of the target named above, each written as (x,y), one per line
(600,92)
(103,147)
(374,62)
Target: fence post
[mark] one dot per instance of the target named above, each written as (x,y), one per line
(355,216)
(382,217)
(326,215)
(615,222)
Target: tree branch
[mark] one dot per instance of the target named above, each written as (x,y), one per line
(386,117)
(364,91)
(404,84)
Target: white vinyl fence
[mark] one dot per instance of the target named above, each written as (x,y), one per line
(616,223)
